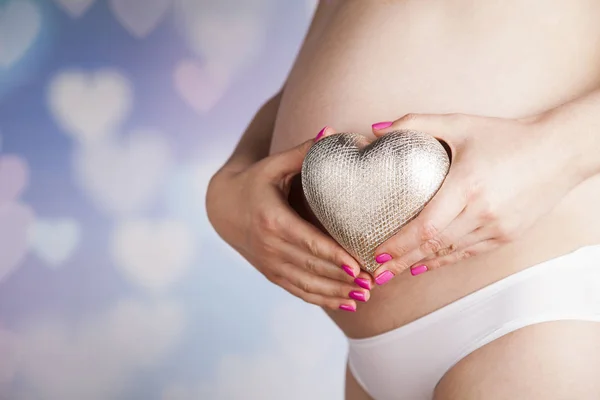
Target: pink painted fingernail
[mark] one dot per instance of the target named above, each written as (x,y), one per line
(356,295)
(321,132)
(348,270)
(384,277)
(418,269)
(363,283)
(347,307)
(383,257)
(382,125)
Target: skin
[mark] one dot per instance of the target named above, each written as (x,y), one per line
(287,249)
(492,194)
(514,95)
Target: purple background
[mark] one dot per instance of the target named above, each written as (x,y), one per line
(113,116)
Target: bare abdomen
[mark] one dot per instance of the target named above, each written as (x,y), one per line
(367,62)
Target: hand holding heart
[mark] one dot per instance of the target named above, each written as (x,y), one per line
(363,192)
(505,175)
(249,207)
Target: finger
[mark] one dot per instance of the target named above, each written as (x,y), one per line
(331,303)
(459,255)
(311,239)
(464,225)
(316,284)
(326,131)
(286,164)
(325,247)
(365,280)
(289,162)
(453,255)
(440,125)
(315,265)
(311,283)
(422,232)
(478,235)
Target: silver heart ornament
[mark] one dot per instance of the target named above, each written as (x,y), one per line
(364,192)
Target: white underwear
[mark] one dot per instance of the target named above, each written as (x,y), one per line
(407,363)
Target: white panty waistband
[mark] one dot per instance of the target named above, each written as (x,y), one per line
(407,362)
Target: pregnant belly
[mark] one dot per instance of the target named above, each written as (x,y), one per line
(363,63)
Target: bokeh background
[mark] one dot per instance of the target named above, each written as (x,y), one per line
(113,116)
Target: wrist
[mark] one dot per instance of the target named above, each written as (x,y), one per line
(234,165)
(213,198)
(574,140)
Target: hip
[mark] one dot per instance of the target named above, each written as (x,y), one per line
(528,314)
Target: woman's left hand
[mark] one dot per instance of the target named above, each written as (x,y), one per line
(505,175)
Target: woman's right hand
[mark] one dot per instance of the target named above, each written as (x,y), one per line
(249,209)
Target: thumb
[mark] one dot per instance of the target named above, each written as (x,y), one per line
(289,162)
(448,127)
(427,123)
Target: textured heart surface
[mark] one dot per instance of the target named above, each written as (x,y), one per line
(364,192)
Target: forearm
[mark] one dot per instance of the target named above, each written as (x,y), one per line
(255,143)
(576,125)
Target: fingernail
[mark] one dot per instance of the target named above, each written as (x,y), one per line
(363,283)
(382,125)
(347,307)
(418,269)
(383,257)
(321,132)
(356,295)
(384,277)
(348,270)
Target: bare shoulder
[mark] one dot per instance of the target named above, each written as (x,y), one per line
(549,361)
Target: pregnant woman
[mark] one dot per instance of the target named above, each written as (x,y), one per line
(493,291)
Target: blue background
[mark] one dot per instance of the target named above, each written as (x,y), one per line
(75,321)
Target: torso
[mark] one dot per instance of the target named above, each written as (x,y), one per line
(370,61)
